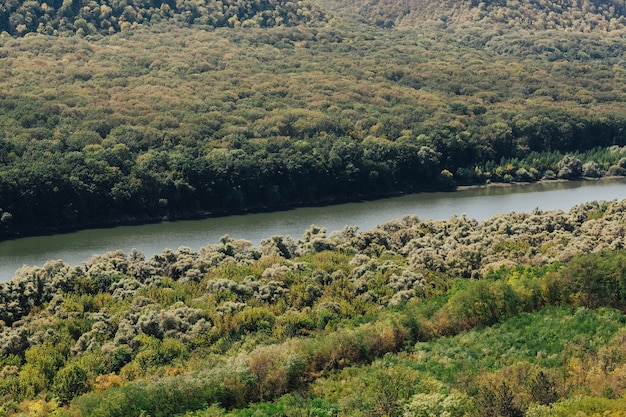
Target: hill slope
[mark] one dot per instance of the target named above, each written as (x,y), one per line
(165,120)
(19,17)
(570,15)
(171,119)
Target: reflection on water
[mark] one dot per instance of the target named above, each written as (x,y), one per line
(481,203)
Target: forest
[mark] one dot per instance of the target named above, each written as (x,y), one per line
(62,17)
(178,117)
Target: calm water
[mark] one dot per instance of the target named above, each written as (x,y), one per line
(75,248)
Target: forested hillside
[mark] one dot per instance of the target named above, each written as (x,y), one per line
(66,17)
(571,15)
(372,323)
(163,120)
(123,111)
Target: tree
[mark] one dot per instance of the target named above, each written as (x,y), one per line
(69,382)
(591,169)
(570,168)
(497,401)
(542,389)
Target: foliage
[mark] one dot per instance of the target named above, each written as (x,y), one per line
(70,382)
(19,17)
(262,105)
(583,16)
(358,323)
(169,120)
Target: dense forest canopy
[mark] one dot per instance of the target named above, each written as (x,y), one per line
(19,17)
(570,15)
(171,121)
(54,17)
(133,111)
(176,109)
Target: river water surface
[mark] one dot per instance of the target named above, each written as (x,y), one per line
(479,203)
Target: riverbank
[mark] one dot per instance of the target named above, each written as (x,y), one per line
(344,310)
(201,215)
(475,202)
(328,202)
(542,181)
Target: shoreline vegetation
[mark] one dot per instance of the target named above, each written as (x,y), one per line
(6,218)
(234,326)
(521,184)
(328,203)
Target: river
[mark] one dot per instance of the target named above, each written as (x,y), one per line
(479,203)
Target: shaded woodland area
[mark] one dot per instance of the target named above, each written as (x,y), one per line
(62,17)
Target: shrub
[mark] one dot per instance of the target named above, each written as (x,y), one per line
(454,404)
(69,382)
(253,319)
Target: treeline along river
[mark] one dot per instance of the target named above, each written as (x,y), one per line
(479,203)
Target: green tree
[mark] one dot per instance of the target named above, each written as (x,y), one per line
(497,401)
(542,389)
(42,363)
(570,168)
(69,382)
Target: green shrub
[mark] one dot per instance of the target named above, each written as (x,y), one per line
(70,382)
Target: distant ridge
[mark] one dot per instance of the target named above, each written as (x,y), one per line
(569,15)
(55,17)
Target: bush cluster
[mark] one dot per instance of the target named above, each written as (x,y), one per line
(243,325)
